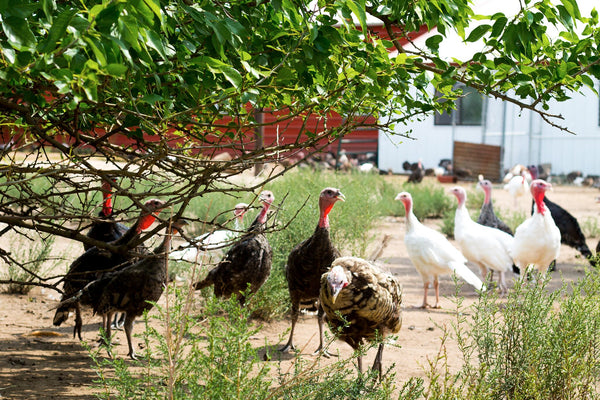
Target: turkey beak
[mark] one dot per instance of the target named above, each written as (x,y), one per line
(340,197)
(336,291)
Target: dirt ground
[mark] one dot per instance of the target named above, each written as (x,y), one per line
(40,361)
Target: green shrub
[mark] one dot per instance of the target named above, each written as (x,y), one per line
(429,201)
(536,344)
(590,227)
(32,254)
(213,358)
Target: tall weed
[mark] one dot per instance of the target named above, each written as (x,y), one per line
(186,357)
(35,260)
(536,344)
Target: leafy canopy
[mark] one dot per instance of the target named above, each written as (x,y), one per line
(155,87)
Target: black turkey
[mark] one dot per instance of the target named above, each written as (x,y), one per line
(308,261)
(131,290)
(247,264)
(417,171)
(96,261)
(361,303)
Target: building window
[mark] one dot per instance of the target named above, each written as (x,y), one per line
(468,109)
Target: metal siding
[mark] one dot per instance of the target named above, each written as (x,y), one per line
(545,144)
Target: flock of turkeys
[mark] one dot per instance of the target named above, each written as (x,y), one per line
(360,302)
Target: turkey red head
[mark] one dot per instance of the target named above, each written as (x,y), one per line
(406,199)
(538,190)
(460,193)
(107,195)
(328,197)
(336,281)
(152,209)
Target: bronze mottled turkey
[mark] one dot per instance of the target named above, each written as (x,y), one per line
(361,303)
(96,261)
(131,290)
(308,261)
(105,228)
(248,261)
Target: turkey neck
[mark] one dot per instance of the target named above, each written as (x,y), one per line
(261,218)
(487,195)
(324,215)
(166,243)
(538,197)
(411,219)
(107,205)
(142,223)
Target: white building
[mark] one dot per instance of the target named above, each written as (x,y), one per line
(523,135)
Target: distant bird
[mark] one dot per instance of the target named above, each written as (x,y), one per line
(95,262)
(308,261)
(105,228)
(361,303)
(537,239)
(574,177)
(131,290)
(432,254)
(248,261)
(518,187)
(570,231)
(218,239)
(417,171)
(487,216)
(487,247)
(516,170)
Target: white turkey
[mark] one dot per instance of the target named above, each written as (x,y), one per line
(361,304)
(192,252)
(488,248)
(537,239)
(518,187)
(570,231)
(432,254)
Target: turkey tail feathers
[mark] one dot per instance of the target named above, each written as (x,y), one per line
(465,273)
(202,284)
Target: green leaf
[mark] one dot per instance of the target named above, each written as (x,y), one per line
(433,42)
(100,57)
(358,9)
(117,70)
(154,5)
(57,31)
(155,42)
(478,33)
(216,66)
(572,8)
(18,33)
(499,26)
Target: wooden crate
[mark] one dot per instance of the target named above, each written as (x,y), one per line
(478,158)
